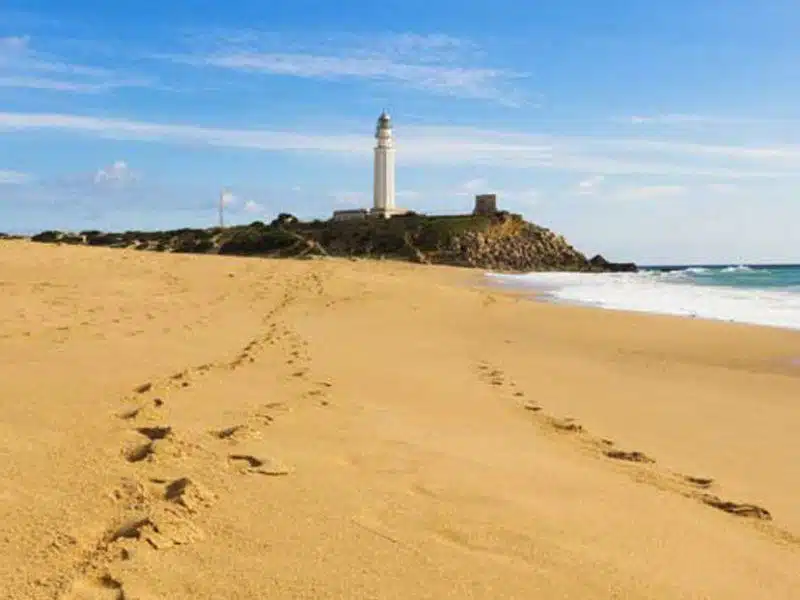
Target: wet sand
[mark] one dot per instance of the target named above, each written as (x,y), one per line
(177,426)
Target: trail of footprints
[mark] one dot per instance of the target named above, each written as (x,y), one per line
(160,510)
(689,486)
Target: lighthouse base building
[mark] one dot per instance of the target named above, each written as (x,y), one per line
(383,193)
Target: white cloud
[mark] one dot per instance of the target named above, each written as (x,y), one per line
(688,119)
(428,145)
(12,45)
(228,198)
(472,187)
(13,177)
(351,199)
(722,188)
(23,67)
(666,119)
(519,196)
(138,130)
(361,199)
(435,63)
(589,186)
(523,198)
(646,192)
(253,207)
(42,83)
(118,173)
(434,47)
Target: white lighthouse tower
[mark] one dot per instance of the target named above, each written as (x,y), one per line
(383,196)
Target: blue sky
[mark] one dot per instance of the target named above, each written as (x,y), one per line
(652,131)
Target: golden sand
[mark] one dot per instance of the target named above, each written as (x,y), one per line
(196,427)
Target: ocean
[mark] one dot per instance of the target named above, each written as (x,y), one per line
(758,294)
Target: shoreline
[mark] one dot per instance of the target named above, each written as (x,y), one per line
(335,428)
(789,364)
(548,293)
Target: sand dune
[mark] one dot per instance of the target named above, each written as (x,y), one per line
(176,426)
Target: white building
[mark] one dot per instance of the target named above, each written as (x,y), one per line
(383,204)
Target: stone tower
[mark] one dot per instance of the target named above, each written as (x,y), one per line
(485,204)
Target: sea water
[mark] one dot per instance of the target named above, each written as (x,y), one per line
(757,294)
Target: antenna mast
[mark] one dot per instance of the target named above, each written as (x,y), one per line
(222,195)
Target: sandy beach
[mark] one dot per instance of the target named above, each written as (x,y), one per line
(201,427)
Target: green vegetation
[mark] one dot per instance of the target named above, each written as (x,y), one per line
(502,241)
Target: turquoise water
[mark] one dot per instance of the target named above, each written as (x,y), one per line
(776,277)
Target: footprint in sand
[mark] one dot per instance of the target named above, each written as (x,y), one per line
(495,376)
(228,432)
(130,494)
(143,388)
(253,464)
(155,433)
(188,494)
(181,378)
(140,452)
(635,456)
(701,482)
(145,451)
(132,413)
(164,528)
(568,425)
(491,375)
(102,588)
(237,433)
(268,411)
(751,511)
(130,530)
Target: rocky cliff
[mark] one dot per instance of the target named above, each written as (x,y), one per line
(503,242)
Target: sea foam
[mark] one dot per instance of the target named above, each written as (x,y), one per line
(672,293)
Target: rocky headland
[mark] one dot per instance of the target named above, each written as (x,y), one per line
(501,242)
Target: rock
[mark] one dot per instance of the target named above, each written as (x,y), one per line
(600,263)
(503,242)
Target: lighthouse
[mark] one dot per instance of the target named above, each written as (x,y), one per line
(383,194)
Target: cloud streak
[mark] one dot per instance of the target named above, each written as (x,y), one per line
(689,119)
(418,145)
(13,177)
(647,192)
(435,64)
(23,67)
